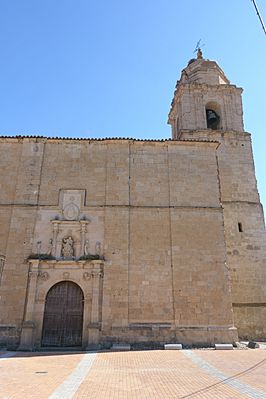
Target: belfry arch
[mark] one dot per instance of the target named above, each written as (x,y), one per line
(213,116)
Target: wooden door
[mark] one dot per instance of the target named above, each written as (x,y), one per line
(63,315)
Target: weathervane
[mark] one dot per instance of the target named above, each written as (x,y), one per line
(198,49)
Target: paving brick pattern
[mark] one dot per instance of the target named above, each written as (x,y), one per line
(134,375)
(32,376)
(151,374)
(250,367)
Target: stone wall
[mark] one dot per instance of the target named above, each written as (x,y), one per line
(155,207)
(246,249)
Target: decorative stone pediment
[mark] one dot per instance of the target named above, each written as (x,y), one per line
(65,234)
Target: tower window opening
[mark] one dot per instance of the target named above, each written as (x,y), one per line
(240,227)
(213,119)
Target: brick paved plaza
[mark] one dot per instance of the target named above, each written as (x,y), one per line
(145,374)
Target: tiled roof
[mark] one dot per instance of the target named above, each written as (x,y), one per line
(106,139)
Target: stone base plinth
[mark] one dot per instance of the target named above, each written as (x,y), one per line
(26,339)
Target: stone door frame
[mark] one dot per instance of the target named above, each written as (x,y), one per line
(42,275)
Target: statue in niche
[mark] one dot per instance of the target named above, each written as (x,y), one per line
(67,247)
(39,247)
(50,247)
(86,248)
(98,248)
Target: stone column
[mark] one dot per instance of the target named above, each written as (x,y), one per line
(55,234)
(95,324)
(2,262)
(28,325)
(95,296)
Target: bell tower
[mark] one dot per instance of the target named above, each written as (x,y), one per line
(206,106)
(205,99)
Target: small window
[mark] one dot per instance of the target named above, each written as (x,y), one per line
(240,227)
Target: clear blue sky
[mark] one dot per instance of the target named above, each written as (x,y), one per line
(83,68)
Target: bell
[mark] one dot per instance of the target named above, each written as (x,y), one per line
(212,119)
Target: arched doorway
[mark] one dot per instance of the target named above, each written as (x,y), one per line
(63,315)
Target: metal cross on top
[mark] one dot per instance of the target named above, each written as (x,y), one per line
(198,50)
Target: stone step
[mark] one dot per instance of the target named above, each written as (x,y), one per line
(120,347)
(173,346)
(223,346)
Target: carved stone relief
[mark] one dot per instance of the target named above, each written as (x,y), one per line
(86,276)
(43,276)
(95,274)
(66,275)
(71,202)
(67,251)
(33,275)
(92,274)
(71,211)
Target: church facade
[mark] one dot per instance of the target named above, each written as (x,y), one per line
(136,241)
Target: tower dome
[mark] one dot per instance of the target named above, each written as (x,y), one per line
(203,71)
